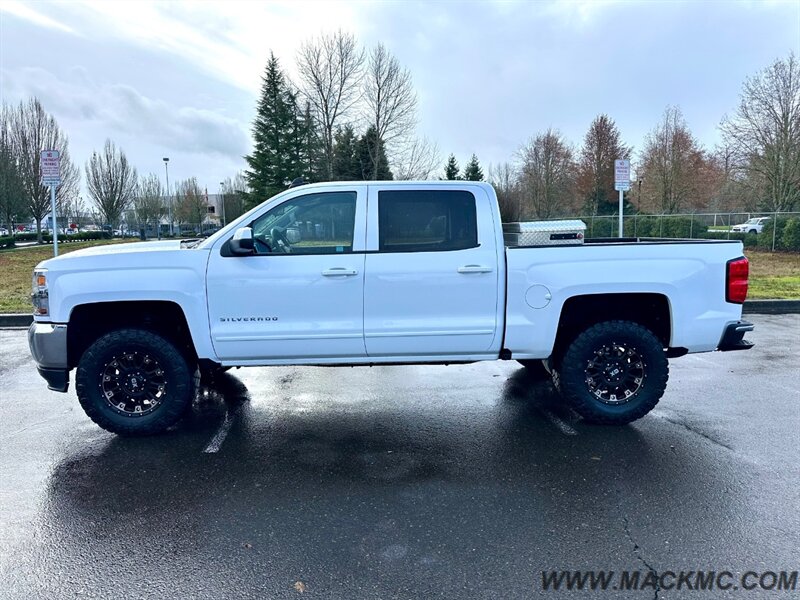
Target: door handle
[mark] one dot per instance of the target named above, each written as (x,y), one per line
(339,271)
(475,269)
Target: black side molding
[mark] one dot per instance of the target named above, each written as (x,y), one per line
(733,338)
(57,379)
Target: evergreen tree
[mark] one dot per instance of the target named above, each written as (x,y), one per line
(473,171)
(451,169)
(12,189)
(346,165)
(277,137)
(304,152)
(371,155)
(313,149)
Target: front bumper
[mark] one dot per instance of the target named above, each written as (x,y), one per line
(733,337)
(48,344)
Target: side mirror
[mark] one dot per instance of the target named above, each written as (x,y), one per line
(242,242)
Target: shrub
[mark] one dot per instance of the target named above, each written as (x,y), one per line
(7,241)
(665,226)
(772,227)
(790,238)
(750,240)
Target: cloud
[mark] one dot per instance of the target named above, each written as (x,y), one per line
(119,108)
(26,13)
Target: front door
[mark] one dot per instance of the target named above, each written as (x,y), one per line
(300,296)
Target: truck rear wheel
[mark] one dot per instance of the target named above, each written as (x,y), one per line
(613,373)
(134,382)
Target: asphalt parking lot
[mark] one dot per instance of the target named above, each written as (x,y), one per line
(402,482)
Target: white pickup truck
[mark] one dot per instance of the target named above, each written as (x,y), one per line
(365,273)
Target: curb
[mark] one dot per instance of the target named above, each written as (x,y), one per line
(771,307)
(16,320)
(762,307)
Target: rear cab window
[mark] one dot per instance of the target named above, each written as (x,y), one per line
(426,220)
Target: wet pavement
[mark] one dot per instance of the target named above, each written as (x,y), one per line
(402,482)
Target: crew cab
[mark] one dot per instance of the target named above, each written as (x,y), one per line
(365,273)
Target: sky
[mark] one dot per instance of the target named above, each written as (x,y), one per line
(181,79)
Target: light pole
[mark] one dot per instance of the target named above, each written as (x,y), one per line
(169,198)
(222,199)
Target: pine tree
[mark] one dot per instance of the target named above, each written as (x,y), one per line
(371,155)
(313,149)
(451,169)
(346,165)
(473,171)
(277,137)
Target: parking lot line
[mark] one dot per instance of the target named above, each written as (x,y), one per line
(216,442)
(560,424)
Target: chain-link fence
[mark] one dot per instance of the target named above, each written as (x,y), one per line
(770,231)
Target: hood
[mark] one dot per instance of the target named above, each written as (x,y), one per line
(111,251)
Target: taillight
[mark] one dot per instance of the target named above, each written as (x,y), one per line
(736,280)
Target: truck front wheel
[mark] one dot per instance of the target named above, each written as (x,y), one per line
(134,382)
(613,373)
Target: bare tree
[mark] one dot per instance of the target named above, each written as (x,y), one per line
(234,196)
(111,181)
(390,102)
(505,180)
(595,177)
(547,175)
(418,160)
(32,130)
(191,204)
(75,210)
(148,203)
(764,134)
(330,69)
(670,163)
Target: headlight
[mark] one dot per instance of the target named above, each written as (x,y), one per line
(40,297)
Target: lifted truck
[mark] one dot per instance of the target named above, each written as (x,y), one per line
(366,273)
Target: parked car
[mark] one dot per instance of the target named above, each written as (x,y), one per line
(3,231)
(754,225)
(382,273)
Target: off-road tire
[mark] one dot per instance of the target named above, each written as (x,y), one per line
(179,382)
(573,379)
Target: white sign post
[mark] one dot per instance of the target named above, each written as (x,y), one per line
(622,183)
(51,176)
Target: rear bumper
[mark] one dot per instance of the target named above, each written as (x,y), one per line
(48,344)
(733,337)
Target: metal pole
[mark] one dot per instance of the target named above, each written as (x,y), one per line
(55,223)
(620,212)
(774,229)
(169,198)
(222,198)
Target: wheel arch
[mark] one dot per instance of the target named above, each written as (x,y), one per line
(88,322)
(649,309)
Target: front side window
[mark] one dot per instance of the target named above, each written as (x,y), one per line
(313,224)
(426,220)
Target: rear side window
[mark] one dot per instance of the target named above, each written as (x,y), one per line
(426,221)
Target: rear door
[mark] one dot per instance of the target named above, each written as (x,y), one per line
(431,286)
